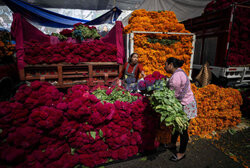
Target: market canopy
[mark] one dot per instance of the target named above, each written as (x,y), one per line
(184,9)
(51,19)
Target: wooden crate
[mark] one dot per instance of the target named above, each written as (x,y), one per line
(66,75)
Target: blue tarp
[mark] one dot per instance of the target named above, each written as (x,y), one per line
(51,19)
(3,29)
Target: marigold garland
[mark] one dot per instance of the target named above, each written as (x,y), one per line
(218,108)
(154,55)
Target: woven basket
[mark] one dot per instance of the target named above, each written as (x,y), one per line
(204,77)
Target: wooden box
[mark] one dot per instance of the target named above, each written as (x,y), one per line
(65,75)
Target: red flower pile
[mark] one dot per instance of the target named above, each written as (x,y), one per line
(42,127)
(239,50)
(215,5)
(92,51)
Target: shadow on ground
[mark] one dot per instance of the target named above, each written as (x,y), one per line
(201,153)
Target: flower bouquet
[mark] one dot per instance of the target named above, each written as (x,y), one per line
(150,83)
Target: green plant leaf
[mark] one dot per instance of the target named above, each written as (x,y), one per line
(78,166)
(73,151)
(93,134)
(232,131)
(100,133)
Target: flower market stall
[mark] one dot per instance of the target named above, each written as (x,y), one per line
(62,58)
(91,124)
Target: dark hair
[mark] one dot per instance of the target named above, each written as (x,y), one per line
(130,57)
(176,62)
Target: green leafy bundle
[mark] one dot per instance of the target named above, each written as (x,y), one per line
(113,95)
(85,32)
(60,36)
(167,42)
(164,102)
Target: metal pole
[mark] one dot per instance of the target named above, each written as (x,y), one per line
(131,43)
(192,57)
(188,34)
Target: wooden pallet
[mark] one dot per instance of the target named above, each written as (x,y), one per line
(65,75)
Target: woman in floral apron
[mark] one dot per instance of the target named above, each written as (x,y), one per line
(130,73)
(180,83)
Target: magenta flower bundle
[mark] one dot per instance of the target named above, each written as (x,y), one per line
(37,94)
(93,51)
(45,118)
(76,128)
(150,82)
(66,32)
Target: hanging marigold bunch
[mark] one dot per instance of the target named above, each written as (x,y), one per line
(218,108)
(154,49)
(6,49)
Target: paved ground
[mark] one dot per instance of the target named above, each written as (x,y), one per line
(200,153)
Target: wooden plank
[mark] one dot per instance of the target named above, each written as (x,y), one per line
(41,76)
(41,65)
(60,77)
(90,75)
(103,74)
(106,76)
(68,64)
(22,74)
(77,72)
(74,76)
(68,85)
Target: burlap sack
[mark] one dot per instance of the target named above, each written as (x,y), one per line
(205,76)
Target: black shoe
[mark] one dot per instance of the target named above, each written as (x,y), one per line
(174,158)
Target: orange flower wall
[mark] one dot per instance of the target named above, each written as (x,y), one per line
(218,108)
(154,55)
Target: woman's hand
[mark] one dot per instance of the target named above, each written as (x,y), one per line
(119,82)
(143,74)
